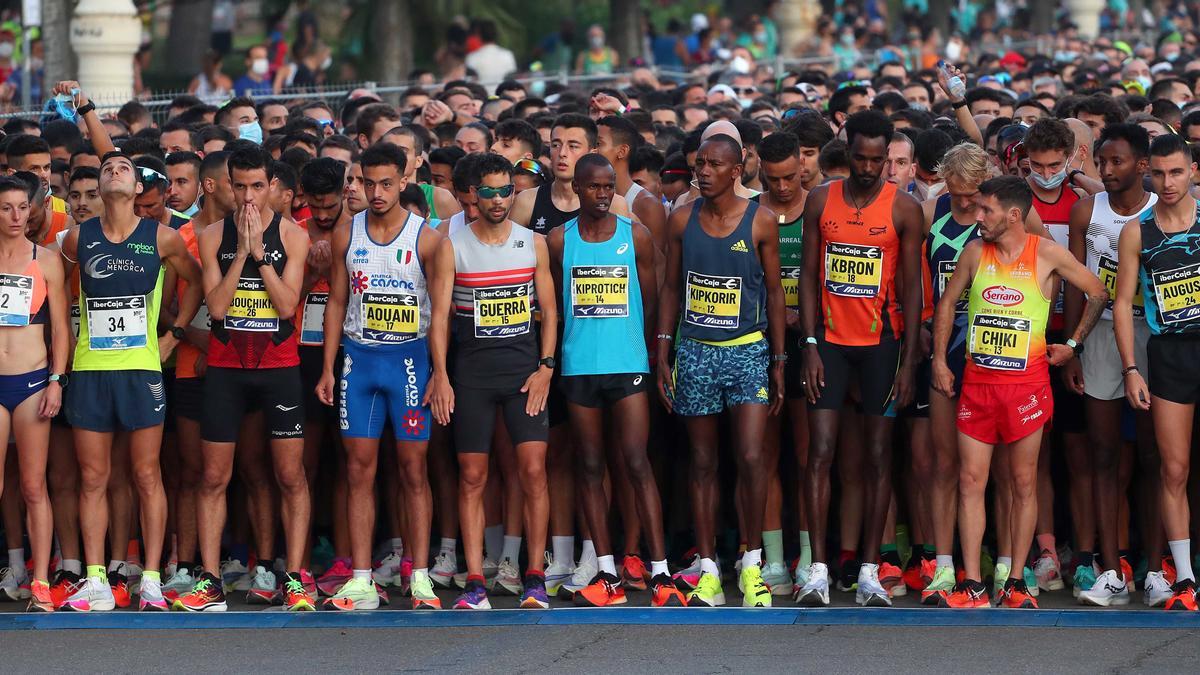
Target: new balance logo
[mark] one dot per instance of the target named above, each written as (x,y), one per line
(740,246)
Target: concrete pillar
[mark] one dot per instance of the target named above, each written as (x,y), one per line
(105,35)
(797,19)
(1086,15)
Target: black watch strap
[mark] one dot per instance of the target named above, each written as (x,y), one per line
(85,108)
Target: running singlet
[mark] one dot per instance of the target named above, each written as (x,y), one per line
(604,327)
(945,243)
(1056,217)
(120,291)
(187,353)
(57,213)
(724,297)
(493,307)
(428,191)
(545,215)
(310,315)
(790,251)
(860,251)
(1103,233)
(252,336)
(1170,276)
(23,296)
(389,301)
(1006,319)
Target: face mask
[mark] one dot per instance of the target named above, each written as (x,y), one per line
(919,106)
(953,50)
(760,37)
(6,49)
(1171,56)
(251,132)
(1182,104)
(1055,180)
(1145,82)
(597,41)
(326,63)
(739,65)
(64,105)
(260,66)
(1065,56)
(744,102)
(848,39)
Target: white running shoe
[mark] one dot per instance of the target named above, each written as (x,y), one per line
(234,575)
(558,572)
(1049,576)
(150,595)
(585,571)
(264,590)
(815,592)
(508,579)
(13,584)
(1109,589)
(179,583)
(870,592)
(445,566)
(489,572)
(95,595)
(800,579)
(1157,590)
(776,577)
(387,569)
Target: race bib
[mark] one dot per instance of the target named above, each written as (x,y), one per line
(852,270)
(790,277)
(75,319)
(945,271)
(312,325)
(389,317)
(1108,274)
(713,302)
(16,299)
(1000,342)
(1178,293)
(599,291)
(202,320)
(251,308)
(116,323)
(502,311)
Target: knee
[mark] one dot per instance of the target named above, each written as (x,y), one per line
(1174,473)
(93,479)
(147,478)
(414,473)
(472,479)
(590,466)
(33,489)
(214,479)
(638,466)
(704,465)
(971,482)
(291,477)
(533,477)
(1024,484)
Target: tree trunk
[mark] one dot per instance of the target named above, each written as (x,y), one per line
(393,41)
(189,36)
(56,39)
(939,17)
(624,33)
(1041,17)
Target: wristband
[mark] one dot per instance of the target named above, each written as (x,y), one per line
(960,104)
(86,108)
(779,358)
(666,336)
(1130,369)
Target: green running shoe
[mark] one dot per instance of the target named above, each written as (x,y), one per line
(355,594)
(939,588)
(999,576)
(708,592)
(755,592)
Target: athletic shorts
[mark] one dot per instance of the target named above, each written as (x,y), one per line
(475,414)
(16,389)
(188,394)
(1174,362)
(312,362)
(169,385)
(918,408)
(115,400)
(599,391)
(874,368)
(793,370)
(382,382)
(1101,361)
(1004,413)
(230,393)
(711,378)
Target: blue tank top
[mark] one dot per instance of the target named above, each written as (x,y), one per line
(947,238)
(724,298)
(604,326)
(1170,276)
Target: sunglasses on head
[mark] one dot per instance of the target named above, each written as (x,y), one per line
(529,166)
(150,176)
(493,192)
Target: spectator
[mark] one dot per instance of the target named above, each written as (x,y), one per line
(210,84)
(491,62)
(256,81)
(599,58)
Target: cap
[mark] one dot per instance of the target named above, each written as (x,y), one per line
(1013,59)
(1123,46)
(723,89)
(699,22)
(721,127)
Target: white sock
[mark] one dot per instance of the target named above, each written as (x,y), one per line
(564,550)
(73,566)
(709,566)
(588,551)
(753,557)
(1181,551)
(398,546)
(512,549)
(113,565)
(493,541)
(606,564)
(362,574)
(16,560)
(946,561)
(658,567)
(449,545)
(1004,560)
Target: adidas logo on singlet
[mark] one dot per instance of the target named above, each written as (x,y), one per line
(740,246)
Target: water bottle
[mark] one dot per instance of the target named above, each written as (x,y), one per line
(954,83)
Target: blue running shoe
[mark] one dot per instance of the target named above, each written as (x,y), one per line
(535,596)
(474,596)
(1084,579)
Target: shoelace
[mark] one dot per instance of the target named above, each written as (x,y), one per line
(294,585)
(202,585)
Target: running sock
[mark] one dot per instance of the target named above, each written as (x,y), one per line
(772,543)
(752,557)
(423,570)
(114,565)
(96,571)
(398,546)
(587,551)
(929,552)
(512,549)
(805,550)
(564,550)
(449,545)
(1086,558)
(1005,560)
(179,566)
(363,574)
(151,575)
(658,567)
(946,561)
(888,553)
(74,566)
(709,566)
(846,555)
(493,541)
(16,560)
(1045,542)
(607,564)
(1181,551)
(133,552)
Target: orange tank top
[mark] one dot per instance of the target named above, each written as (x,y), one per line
(860,251)
(187,353)
(23,296)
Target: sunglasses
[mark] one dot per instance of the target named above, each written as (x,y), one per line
(745,90)
(493,192)
(150,176)
(854,83)
(530,166)
(1016,150)
(325,123)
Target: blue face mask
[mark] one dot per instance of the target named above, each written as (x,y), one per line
(251,132)
(62,105)
(1145,82)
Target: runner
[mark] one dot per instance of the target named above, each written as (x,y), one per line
(1159,252)
(725,249)
(253,268)
(83,195)
(183,174)
(412,142)
(385,324)
(152,202)
(498,267)
(865,247)
(1010,277)
(617,139)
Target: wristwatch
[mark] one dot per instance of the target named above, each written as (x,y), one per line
(1076,347)
(549,362)
(261,262)
(60,378)
(1071,175)
(86,108)
(179,333)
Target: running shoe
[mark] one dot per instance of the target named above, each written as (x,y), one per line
(120,586)
(999,578)
(264,589)
(1031,583)
(1168,569)
(1017,596)
(534,594)
(707,593)
(234,575)
(10,583)
(1157,590)
(558,572)
(65,584)
(474,596)
(387,569)
(306,580)
(937,592)
(848,576)
(507,580)
(1127,573)
(338,574)
(40,598)
(664,594)
(1108,589)
(298,598)
(93,595)
(969,594)
(177,584)
(687,578)
(755,592)
(404,582)
(490,568)
(1183,596)
(206,595)
(423,596)
(1083,579)
(634,574)
(150,595)
(604,591)
(1046,569)
(382,593)
(892,580)
(585,571)
(445,566)
(815,592)
(133,573)
(355,594)
(777,578)
(869,592)
(919,573)
(489,572)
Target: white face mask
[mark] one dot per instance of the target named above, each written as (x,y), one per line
(953,50)
(260,66)
(6,49)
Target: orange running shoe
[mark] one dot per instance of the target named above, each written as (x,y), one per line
(64,586)
(604,591)
(120,588)
(296,596)
(912,575)
(1185,596)
(40,598)
(1127,572)
(967,595)
(207,595)
(1168,569)
(1016,596)
(633,573)
(892,579)
(663,593)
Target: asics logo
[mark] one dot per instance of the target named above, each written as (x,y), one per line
(637,380)
(622,248)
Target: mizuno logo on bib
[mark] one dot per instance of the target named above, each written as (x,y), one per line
(599,291)
(502,311)
(713,301)
(251,308)
(853,270)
